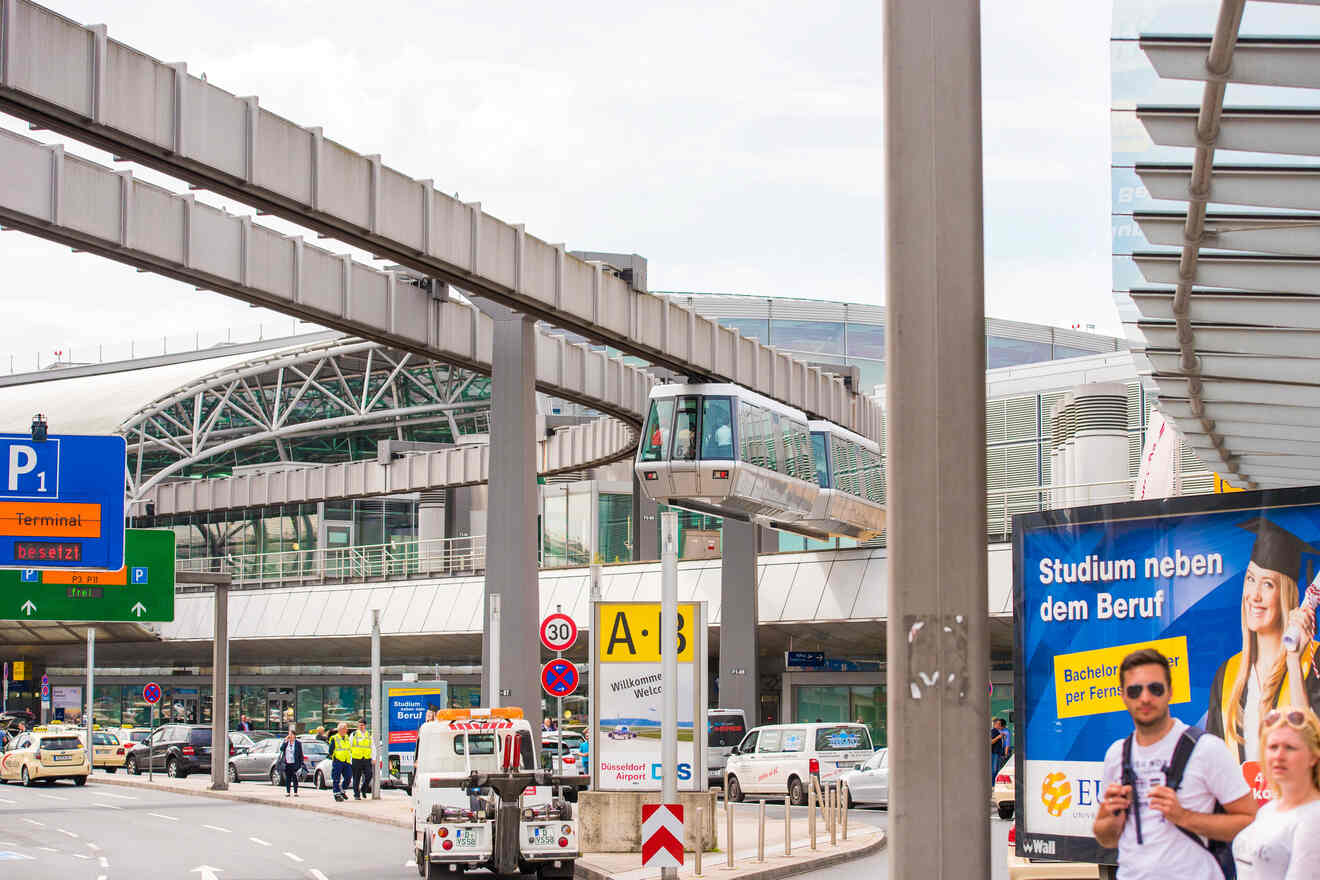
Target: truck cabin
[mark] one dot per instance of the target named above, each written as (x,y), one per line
(460,741)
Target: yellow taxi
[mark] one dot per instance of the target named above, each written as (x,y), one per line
(45,753)
(108,752)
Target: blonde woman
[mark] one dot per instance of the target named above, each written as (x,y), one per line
(1264,676)
(1283,843)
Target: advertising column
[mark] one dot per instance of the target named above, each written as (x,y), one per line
(627,688)
(1217,583)
(406,703)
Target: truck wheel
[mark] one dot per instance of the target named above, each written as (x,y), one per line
(421,861)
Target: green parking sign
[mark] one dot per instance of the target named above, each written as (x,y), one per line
(143,590)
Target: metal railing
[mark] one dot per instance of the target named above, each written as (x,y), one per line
(401,559)
(1003,504)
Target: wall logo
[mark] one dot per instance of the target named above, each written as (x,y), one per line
(1056,793)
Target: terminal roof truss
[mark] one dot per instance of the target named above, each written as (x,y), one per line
(1231,296)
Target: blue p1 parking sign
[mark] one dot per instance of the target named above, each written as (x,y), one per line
(62,502)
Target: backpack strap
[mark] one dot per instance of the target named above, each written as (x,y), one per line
(1182,753)
(1129,777)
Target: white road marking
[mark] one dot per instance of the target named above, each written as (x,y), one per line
(163,816)
(122,797)
(81,856)
(410,864)
(217,828)
(68,833)
(7,801)
(106,806)
(317,874)
(294,857)
(103,861)
(53,797)
(258,841)
(33,822)
(48,849)
(92,846)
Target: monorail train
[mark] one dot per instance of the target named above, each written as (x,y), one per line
(724,450)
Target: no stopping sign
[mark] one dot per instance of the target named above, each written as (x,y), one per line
(558,632)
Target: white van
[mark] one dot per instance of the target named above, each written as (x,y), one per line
(725,728)
(780,759)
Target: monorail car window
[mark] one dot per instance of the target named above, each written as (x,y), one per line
(716,428)
(819,445)
(656,438)
(685,430)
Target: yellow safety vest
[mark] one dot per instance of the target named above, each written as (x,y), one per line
(341,748)
(361,744)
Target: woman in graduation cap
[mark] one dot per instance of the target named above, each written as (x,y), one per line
(1264,676)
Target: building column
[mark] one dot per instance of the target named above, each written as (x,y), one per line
(740,647)
(511,563)
(938,627)
(646,525)
(431,520)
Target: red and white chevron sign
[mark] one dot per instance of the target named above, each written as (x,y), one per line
(662,835)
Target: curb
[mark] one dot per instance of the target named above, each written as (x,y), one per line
(231,795)
(583,872)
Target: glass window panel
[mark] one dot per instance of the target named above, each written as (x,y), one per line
(344,704)
(717,428)
(869,708)
(842,739)
(249,700)
(579,528)
(685,430)
(809,336)
(758,328)
(1067,351)
(107,705)
(818,454)
(866,340)
(310,700)
(555,524)
(614,542)
(1001,352)
(872,373)
(770,739)
(656,436)
(821,703)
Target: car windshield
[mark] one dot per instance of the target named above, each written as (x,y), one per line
(60,742)
(104,739)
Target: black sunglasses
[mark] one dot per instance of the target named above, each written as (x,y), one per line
(1133,691)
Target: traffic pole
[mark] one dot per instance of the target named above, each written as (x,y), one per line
(377,710)
(669,665)
(87,722)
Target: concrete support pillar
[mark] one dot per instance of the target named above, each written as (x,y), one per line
(740,647)
(646,525)
(431,516)
(938,631)
(511,572)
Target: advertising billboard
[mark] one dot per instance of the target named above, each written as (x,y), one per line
(406,703)
(627,690)
(1208,580)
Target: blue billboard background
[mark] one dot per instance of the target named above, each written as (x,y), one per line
(1206,609)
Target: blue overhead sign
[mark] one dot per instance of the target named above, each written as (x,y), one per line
(804,659)
(62,502)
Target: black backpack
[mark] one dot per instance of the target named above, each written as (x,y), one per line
(1173,777)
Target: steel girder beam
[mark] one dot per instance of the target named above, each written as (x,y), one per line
(1256,186)
(1264,61)
(1236,272)
(135,106)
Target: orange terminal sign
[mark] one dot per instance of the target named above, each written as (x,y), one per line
(50,520)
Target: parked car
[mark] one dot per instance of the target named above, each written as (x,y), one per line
(779,759)
(725,728)
(178,749)
(263,760)
(131,735)
(107,751)
(46,754)
(869,783)
(1001,797)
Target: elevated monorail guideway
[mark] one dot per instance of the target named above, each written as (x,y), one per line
(73,79)
(723,450)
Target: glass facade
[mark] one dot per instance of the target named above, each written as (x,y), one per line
(267,707)
(861,703)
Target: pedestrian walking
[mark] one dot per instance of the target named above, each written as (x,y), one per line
(341,761)
(1165,784)
(361,747)
(291,761)
(244,725)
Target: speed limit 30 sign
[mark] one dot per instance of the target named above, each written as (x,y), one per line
(558,632)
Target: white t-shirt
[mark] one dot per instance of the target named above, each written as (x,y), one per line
(1211,775)
(1280,845)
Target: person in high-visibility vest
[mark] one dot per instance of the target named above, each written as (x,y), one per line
(341,761)
(361,746)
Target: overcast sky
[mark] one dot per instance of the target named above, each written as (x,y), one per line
(736,146)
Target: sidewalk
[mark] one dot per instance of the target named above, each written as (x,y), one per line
(395,808)
(863,839)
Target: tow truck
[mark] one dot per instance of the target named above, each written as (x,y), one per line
(481,801)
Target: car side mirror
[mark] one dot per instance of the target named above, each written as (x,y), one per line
(734,751)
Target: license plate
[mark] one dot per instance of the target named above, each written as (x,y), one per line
(64,757)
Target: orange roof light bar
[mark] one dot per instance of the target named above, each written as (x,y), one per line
(463,714)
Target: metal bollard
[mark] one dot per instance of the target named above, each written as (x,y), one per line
(834,814)
(701,842)
(728,834)
(811,813)
(760,834)
(726,790)
(788,828)
(845,811)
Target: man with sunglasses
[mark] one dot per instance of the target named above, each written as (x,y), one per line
(1164,831)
